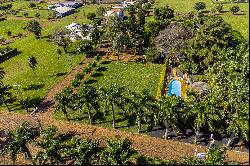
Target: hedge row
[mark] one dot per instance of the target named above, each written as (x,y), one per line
(160,87)
(86,70)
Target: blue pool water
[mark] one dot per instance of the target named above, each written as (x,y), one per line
(174,88)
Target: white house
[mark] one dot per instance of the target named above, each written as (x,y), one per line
(117,11)
(63,11)
(77,31)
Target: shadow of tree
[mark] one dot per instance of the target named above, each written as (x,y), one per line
(97,74)
(90,81)
(101,69)
(34,87)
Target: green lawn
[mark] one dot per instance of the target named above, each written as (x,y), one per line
(15,26)
(134,76)
(239,22)
(49,70)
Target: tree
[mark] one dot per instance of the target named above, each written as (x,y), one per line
(219,8)
(113,26)
(87,100)
(20,137)
(32,63)
(209,40)
(37,15)
(81,152)
(26,14)
(51,147)
(235,9)
(113,97)
(200,6)
(8,33)
(141,104)
(96,36)
(51,14)
(32,5)
(101,11)
(228,81)
(59,37)
(34,27)
(171,41)
(164,14)
(118,43)
(84,46)
(64,98)
(91,16)
(117,152)
(153,55)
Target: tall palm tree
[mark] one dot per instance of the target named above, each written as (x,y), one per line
(141,104)
(113,97)
(32,63)
(20,138)
(168,113)
(87,98)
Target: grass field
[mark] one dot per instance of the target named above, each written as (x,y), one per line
(239,22)
(49,69)
(134,76)
(15,26)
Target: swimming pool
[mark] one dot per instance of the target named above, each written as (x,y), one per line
(174,88)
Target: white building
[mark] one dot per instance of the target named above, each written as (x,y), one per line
(63,11)
(77,31)
(115,11)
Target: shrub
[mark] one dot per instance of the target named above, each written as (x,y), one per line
(219,8)
(235,9)
(37,15)
(152,54)
(31,5)
(200,6)
(91,16)
(26,14)
(8,33)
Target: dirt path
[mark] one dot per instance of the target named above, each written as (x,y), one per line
(150,146)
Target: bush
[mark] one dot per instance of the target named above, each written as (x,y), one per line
(84,46)
(152,54)
(200,6)
(235,9)
(219,8)
(26,14)
(37,15)
(31,5)
(91,16)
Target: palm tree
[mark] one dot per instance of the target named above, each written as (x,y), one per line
(20,138)
(87,98)
(141,104)
(64,98)
(204,114)
(113,97)
(50,147)
(32,63)
(168,112)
